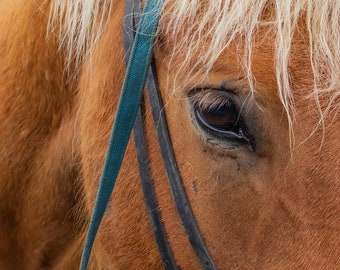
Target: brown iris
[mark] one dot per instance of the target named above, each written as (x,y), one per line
(222,116)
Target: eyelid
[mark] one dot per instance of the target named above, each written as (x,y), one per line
(205,98)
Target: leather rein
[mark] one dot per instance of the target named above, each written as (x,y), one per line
(134,20)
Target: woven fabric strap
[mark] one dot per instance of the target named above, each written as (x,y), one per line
(125,116)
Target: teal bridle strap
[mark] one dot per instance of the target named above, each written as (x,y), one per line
(130,97)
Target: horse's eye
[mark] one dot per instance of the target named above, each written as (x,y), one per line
(218,115)
(221,117)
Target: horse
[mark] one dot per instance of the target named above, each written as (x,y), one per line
(251,95)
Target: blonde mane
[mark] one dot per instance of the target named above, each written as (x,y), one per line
(78,24)
(220,23)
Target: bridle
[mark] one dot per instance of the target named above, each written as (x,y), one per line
(132,35)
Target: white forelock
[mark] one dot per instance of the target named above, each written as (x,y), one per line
(214,25)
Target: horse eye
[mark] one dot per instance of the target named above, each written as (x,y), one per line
(218,115)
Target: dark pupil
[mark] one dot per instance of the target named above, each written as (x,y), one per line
(223,116)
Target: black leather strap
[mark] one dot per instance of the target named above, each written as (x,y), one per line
(132,10)
(174,179)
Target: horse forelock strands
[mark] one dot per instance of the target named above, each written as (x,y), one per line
(78,24)
(222,22)
(214,25)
